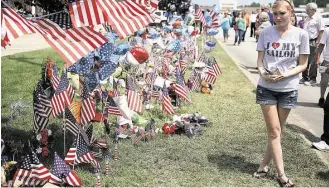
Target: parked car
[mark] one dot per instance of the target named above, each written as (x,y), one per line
(325,17)
(159,17)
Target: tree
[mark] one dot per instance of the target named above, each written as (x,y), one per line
(253,4)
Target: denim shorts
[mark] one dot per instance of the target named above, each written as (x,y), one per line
(286,100)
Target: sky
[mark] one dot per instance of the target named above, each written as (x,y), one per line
(240,2)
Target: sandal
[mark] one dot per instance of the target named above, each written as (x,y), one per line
(261,174)
(288,183)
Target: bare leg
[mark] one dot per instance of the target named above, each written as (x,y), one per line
(283,115)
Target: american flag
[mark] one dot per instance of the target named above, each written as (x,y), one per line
(85,13)
(199,15)
(83,154)
(89,133)
(24,175)
(88,108)
(71,44)
(64,172)
(212,12)
(166,101)
(134,99)
(195,78)
(165,64)
(210,76)
(42,109)
(39,171)
(182,66)
(61,98)
(125,16)
(112,107)
(156,94)
(202,57)
(180,87)
(152,5)
(215,22)
(14,24)
(115,88)
(151,77)
(216,69)
(55,81)
(71,123)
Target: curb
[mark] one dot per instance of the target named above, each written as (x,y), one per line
(293,117)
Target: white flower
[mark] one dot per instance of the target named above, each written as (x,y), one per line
(38,137)
(39,150)
(49,132)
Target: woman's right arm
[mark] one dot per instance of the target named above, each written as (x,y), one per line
(260,64)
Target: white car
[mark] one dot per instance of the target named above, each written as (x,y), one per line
(325,18)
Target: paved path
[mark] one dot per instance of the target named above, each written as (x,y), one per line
(25,43)
(307,118)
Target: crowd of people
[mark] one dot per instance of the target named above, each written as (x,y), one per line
(285,49)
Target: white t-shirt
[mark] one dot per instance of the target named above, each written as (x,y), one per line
(282,53)
(314,25)
(325,40)
(253,18)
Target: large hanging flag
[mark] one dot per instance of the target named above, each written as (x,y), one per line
(88,108)
(71,44)
(180,87)
(125,16)
(134,99)
(166,101)
(85,13)
(61,98)
(14,24)
(64,172)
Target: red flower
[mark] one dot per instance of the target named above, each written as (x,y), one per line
(44,132)
(44,141)
(45,152)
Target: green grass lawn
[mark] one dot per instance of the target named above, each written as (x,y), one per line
(226,154)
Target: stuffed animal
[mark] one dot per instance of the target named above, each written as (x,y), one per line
(205,87)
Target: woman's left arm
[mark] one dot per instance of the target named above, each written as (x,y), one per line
(303,58)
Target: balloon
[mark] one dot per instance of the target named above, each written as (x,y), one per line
(177,24)
(140,54)
(209,45)
(212,32)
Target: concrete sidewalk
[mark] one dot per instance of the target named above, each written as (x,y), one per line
(25,43)
(307,118)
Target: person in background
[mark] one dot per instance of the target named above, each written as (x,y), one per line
(324,42)
(294,20)
(253,24)
(266,8)
(264,23)
(301,22)
(323,145)
(277,90)
(314,26)
(240,28)
(225,24)
(247,20)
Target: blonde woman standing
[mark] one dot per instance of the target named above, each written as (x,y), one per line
(279,47)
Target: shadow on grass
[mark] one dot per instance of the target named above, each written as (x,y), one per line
(323,175)
(308,135)
(229,162)
(16,141)
(32,61)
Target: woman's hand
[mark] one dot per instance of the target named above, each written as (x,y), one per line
(272,78)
